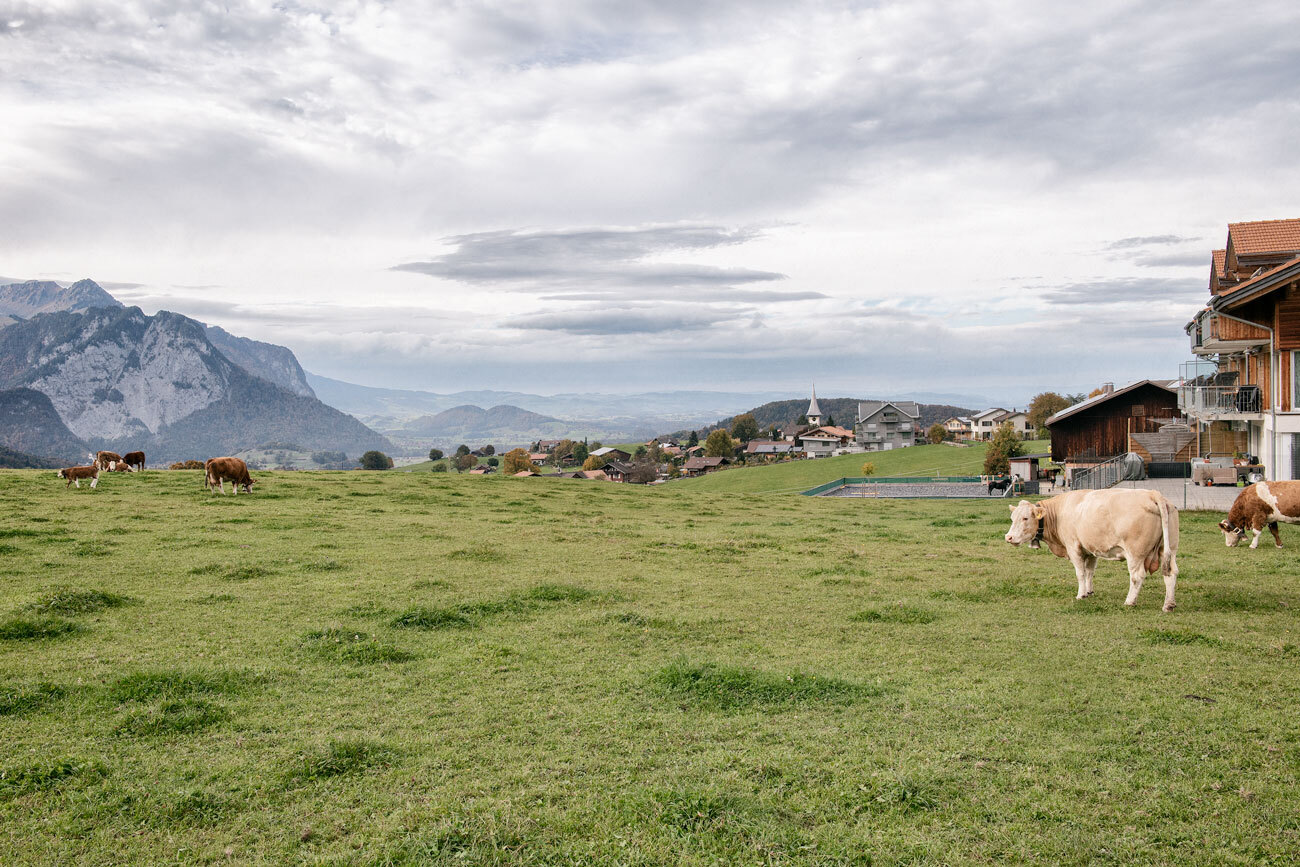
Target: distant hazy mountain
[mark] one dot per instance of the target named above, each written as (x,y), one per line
(30,424)
(475,421)
(275,364)
(25,300)
(124,380)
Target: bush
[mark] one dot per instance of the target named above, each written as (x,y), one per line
(868,469)
(439,468)
(493,462)
(186,465)
(373,460)
(435,454)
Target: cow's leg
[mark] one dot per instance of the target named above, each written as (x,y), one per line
(94,481)
(1254,543)
(1137,570)
(77,483)
(1090,563)
(1082,572)
(1171,579)
(1276,538)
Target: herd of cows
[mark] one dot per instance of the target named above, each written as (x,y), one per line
(216,471)
(1135,525)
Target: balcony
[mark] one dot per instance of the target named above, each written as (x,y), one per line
(1207,393)
(1212,334)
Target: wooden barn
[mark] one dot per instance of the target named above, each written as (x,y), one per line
(1102,427)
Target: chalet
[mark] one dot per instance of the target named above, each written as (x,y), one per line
(610,453)
(958,427)
(769,448)
(884,425)
(537,459)
(693,451)
(1105,426)
(986,423)
(617,471)
(546,446)
(663,441)
(824,440)
(700,466)
(1247,346)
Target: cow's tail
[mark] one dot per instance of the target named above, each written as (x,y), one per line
(1167,520)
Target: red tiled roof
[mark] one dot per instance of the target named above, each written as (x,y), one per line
(1265,236)
(1236,291)
(1217,258)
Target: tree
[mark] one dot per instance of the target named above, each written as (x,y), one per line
(593,463)
(465,462)
(868,469)
(373,460)
(595,445)
(1004,445)
(493,462)
(517,461)
(802,421)
(744,427)
(580,453)
(830,419)
(438,468)
(462,450)
(693,441)
(435,454)
(489,449)
(562,450)
(937,433)
(1044,406)
(719,444)
(640,453)
(643,473)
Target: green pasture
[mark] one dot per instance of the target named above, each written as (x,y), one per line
(791,477)
(357,668)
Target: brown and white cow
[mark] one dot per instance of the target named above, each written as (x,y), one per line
(217,470)
(1260,504)
(74,475)
(134,460)
(1132,524)
(106,460)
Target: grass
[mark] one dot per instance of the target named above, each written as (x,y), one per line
(792,477)
(648,676)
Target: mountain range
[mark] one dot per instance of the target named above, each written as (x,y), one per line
(120,379)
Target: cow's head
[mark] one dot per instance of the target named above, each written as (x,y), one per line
(1024,522)
(1232,534)
(248,486)
(61,474)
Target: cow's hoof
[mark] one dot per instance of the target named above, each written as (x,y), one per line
(1130,604)
(1170,607)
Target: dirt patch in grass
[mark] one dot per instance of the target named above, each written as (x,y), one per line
(1178,637)
(37,628)
(347,645)
(23,699)
(340,758)
(897,613)
(727,687)
(66,601)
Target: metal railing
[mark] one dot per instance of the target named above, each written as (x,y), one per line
(1215,400)
(1108,474)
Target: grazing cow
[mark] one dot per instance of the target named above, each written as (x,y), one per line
(1259,504)
(217,470)
(106,460)
(1132,524)
(999,485)
(134,460)
(74,475)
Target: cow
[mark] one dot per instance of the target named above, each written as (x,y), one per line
(120,467)
(999,485)
(217,470)
(106,460)
(74,475)
(1133,524)
(134,460)
(1260,504)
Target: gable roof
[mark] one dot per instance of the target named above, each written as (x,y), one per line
(1102,398)
(607,450)
(827,430)
(703,463)
(1261,237)
(868,408)
(1259,284)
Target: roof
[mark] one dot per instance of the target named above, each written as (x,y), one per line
(1261,237)
(1242,291)
(827,430)
(1034,457)
(522,473)
(703,463)
(1217,259)
(1102,398)
(607,450)
(594,474)
(616,466)
(868,408)
(539,456)
(768,447)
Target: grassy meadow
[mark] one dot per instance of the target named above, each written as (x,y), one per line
(414,668)
(794,476)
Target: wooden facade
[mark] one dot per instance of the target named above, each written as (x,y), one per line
(1101,430)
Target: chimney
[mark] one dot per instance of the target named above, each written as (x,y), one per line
(1108,388)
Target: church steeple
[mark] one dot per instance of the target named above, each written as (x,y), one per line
(814,412)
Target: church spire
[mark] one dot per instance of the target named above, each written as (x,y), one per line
(814,412)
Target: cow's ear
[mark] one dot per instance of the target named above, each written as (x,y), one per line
(1038,511)
(1011,507)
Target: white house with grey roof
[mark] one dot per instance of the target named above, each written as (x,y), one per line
(884,424)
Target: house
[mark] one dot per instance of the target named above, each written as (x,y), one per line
(693,451)
(824,440)
(1027,466)
(958,427)
(524,474)
(1241,392)
(617,471)
(986,423)
(610,453)
(700,466)
(546,446)
(1103,426)
(663,441)
(595,475)
(537,459)
(769,448)
(482,470)
(883,425)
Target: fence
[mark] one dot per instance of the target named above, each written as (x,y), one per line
(1124,468)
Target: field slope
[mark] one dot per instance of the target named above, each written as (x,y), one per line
(796,476)
(398,668)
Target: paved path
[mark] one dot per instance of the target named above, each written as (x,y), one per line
(1183,494)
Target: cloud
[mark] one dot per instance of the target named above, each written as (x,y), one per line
(619,322)
(1128,290)
(1147,241)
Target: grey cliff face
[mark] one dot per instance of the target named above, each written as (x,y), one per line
(275,364)
(27,299)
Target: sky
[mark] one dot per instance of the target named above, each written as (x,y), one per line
(882,198)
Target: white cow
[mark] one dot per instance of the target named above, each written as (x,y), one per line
(1132,524)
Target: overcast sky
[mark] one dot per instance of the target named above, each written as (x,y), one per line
(988,197)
